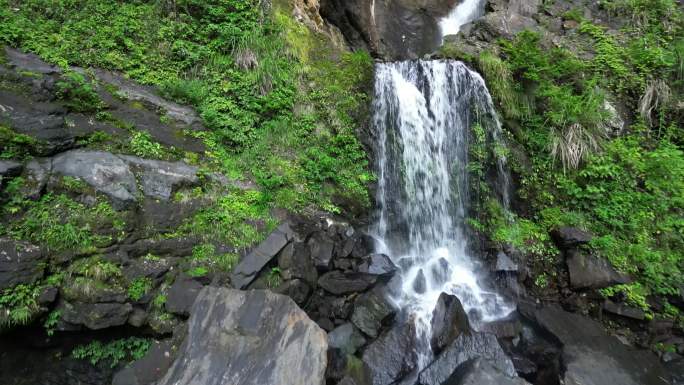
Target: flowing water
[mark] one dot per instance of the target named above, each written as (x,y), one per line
(423,112)
(465,12)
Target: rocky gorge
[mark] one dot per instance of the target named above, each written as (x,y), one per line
(132,252)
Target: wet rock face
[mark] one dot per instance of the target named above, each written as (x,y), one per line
(393,30)
(591,357)
(20,263)
(449,320)
(255,337)
(481,372)
(463,349)
(393,355)
(589,271)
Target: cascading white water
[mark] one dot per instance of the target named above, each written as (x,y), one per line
(465,12)
(423,111)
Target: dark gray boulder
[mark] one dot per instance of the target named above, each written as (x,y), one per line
(569,237)
(393,355)
(338,283)
(148,369)
(159,179)
(347,338)
(378,264)
(449,320)
(466,347)
(42,121)
(105,172)
(182,295)
(20,263)
(398,29)
(295,262)
(371,309)
(94,316)
(592,272)
(249,337)
(481,372)
(36,175)
(590,356)
(296,289)
(623,310)
(504,263)
(321,246)
(249,267)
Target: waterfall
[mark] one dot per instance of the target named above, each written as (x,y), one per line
(465,12)
(423,112)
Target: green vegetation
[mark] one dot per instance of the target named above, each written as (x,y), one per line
(78,93)
(143,146)
(205,256)
(278,109)
(14,145)
(59,223)
(113,352)
(19,305)
(139,287)
(627,189)
(273,278)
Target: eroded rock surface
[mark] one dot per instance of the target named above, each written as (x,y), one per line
(255,337)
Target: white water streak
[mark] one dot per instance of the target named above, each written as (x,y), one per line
(464,13)
(423,111)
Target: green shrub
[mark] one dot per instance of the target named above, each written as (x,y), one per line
(139,287)
(113,352)
(78,93)
(143,146)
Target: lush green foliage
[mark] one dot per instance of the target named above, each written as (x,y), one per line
(139,287)
(59,223)
(627,189)
(113,352)
(247,74)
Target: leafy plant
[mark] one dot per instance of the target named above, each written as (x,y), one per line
(113,352)
(273,278)
(142,145)
(78,93)
(139,287)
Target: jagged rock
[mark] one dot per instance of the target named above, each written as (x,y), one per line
(449,320)
(249,337)
(590,356)
(623,310)
(321,247)
(370,310)
(158,179)
(508,327)
(481,372)
(569,237)
(466,347)
(249,267)
(296,289)
(504,263)
(172,247)
(295,262)
(346,338)
(378,264)
(498,24)
(393,355)
(392,30)
(338,283)
(363,245)
(182,295)
(148,369)
(94,316)
(20,263)
(590,271)
(40,120)
(144,267)
(105,172)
